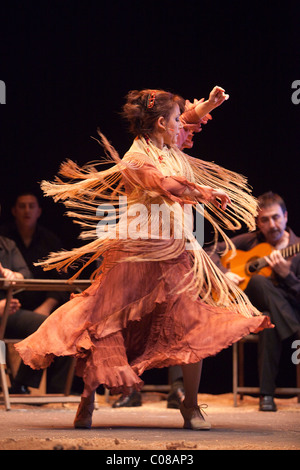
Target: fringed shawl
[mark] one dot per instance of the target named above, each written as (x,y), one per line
(138,179)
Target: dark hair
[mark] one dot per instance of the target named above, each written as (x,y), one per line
(269,198)
(143,108)
(27,193)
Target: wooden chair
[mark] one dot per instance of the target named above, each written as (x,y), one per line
(238,373)
(34,285)
(3,376)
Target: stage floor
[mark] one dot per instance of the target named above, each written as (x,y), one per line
(152,426)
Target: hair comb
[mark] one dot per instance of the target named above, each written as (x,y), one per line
(151,99)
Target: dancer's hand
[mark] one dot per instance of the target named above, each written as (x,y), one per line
(217,96)
(220,199)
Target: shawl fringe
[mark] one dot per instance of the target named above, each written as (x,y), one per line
(86,187)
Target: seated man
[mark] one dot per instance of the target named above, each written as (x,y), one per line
(35,242)
(278,295)
(22,323)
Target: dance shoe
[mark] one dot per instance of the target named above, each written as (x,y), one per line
(194,419)
(134,399)
(83,418)
(176,395)
(266,403)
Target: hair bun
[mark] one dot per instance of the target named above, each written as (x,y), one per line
(143,108)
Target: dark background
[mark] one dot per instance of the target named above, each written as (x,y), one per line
(67,66)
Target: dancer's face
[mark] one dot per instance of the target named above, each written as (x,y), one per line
(272,221)
(173,126)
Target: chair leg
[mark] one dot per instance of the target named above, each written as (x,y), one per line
(3,375)
(241,367)
(234,373)
(298,380)
(4,387)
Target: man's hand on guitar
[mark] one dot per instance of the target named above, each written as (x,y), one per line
(234,277)
(280,265)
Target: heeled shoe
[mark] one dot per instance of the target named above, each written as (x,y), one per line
(193,418)
(83,418)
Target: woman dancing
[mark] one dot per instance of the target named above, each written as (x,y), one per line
(157,299)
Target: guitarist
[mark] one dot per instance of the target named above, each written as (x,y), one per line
(278,295)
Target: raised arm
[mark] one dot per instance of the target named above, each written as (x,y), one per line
(198,113)
(201,108)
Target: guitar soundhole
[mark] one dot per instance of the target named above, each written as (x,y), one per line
(252,266)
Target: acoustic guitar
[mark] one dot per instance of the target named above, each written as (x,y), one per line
(248,263)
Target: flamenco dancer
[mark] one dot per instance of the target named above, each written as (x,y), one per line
(157,299)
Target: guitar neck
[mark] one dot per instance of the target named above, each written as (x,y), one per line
(285,252)
(290,250)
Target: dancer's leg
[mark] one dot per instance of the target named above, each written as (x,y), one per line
(191,413)
(191,381)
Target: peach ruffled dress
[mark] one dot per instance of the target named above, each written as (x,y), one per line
(148,305)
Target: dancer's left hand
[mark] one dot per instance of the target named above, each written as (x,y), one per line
(220,199)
